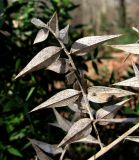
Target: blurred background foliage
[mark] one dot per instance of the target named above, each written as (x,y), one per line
(18,97)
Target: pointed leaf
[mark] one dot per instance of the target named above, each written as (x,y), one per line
(109,112)
(131,82)
(88,139)
(61,65)
(60,99)
(80,129)
(101,94)
(48,148)
(37,22)
(133,138)
(63,35)
(63,123)
(70,77)
(135,69)
(128,48)
(41,35)
(40,154)
(86,44)
(135,29)
(53,24)
(42,60)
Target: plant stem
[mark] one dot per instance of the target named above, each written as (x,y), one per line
(63,153)
(79,82)
(111,145)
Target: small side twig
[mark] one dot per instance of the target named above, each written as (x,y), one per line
(111,145)
(63,153)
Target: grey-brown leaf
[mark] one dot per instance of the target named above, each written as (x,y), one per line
(128,48)
(136,71)
(102,94)
(62,66)
(41,35)
(109,112)
(88,139)
(86,44)
(62,98)
(80,129)
(62,122)
(63,35)
(42,60)
(37,22)
(133,138)
(131,82)
(40,154)
(48,148)
(53,24)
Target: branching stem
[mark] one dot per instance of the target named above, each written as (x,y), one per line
(79,82)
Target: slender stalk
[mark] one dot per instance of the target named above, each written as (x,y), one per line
(63,153)
(79,82)
(111,145)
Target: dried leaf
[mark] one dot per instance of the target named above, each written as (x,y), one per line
(133,138)
(63,35)
(42,60)
(88,139)
(80,129)
(70,77)
(101,94)
(109,112)
(135,69)
(62,122)
(53,24)
(83,45)
(60,99)
(37,22)
(41,35)
(40,154)
(74,107)
(135,29)
(48,148)
(131,82)
(62,66)
(129,48)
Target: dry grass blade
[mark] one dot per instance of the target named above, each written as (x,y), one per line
(53,24)
(60,99)
(40,154)
(61,65)
(131,82)
(63,35)
(62,122)
(133,138)
(128,48)
(48,148)
(80,129)
(109,112)
(101,94)
(86,44)
(42,60)
(37,22)
(119,120)
(41,35)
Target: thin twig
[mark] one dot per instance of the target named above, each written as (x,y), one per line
(64,151)
(79,82)
(111,145)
